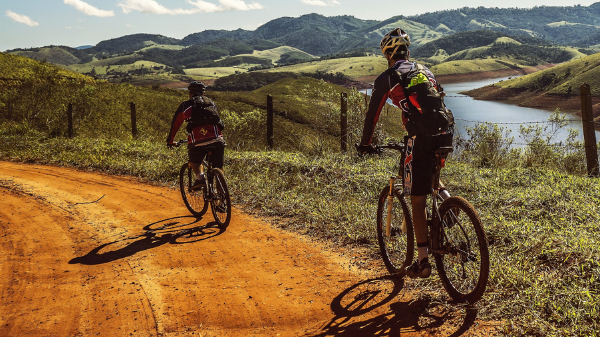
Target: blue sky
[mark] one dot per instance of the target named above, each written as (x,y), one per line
(37,23)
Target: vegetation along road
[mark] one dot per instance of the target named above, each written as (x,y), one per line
(86,254)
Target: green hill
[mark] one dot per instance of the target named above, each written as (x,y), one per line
(562,79)
(517,36)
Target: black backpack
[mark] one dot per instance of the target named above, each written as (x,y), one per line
(204,111)
(433,118)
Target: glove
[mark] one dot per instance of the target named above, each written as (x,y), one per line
(366,149)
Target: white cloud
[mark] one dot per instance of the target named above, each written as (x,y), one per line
(153,7)
(21,18)
(88,9)
(320,2)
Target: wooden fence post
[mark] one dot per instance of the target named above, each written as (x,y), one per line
(589,132)
(344,121)
(270,121)
(133,120)
(70,120)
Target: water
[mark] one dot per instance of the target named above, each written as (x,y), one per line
(468,112)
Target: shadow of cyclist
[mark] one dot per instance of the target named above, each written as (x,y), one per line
(359,311)
(173,230)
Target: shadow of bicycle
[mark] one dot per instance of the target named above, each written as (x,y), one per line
(177,230)
(372,308)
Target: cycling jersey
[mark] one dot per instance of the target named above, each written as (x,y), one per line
(419,157)
(387,87)
(199,134)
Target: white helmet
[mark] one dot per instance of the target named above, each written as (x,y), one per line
(393,40)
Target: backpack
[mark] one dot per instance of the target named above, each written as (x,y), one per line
(204,112)
(428,115)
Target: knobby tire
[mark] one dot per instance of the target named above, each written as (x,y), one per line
(463,258)
(397,250)
(221,202)
(193,200)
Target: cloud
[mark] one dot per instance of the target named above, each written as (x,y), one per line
(21,18)
(320,2)
(153,7)
(88,9)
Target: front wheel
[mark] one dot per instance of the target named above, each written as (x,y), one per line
(396,243)
(462,257)
(221,202)
(193,199)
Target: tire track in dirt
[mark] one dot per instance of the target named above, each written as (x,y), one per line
(88,254)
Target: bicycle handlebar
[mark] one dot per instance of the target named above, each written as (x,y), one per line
(392,146)
(179,143)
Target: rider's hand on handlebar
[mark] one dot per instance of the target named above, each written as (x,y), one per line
(366,149)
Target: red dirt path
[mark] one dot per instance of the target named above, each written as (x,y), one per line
(88,254)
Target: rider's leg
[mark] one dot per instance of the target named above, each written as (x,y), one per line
(420,224)
(217,155)
(196,156)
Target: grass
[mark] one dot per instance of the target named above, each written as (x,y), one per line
(213,73)
(354,67)
(542,225)
(472,66)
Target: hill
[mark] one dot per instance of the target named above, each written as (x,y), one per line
(520,37)
(561,24)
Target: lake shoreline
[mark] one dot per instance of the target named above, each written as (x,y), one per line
(539,100)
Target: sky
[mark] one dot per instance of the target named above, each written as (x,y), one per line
(74,23)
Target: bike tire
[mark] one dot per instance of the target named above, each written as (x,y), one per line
(397,250)
(462,258)
(221,201)
(193,199)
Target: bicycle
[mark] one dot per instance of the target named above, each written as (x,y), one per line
(456,238)
(214,191)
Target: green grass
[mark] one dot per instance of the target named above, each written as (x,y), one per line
(473,66)
(354,67)
(213,73)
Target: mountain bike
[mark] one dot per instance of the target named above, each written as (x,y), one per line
(456,238)
(214,191)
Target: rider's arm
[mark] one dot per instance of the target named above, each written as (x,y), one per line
(379,96)
(178,119)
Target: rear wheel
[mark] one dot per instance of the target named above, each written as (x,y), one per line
(193,199)
(220,203)
(397,243)
(462,258)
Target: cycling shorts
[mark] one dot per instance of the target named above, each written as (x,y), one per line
(419,162)
(196,154)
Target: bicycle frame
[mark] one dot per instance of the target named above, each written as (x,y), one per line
(434,245)
(441,155)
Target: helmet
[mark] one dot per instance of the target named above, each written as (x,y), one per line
(196,87)
(392,41)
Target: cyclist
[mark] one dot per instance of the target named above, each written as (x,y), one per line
(207,130)
(420,162)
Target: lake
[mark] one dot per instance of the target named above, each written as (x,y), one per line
(468,112)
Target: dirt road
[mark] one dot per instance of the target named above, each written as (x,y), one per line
(87,254)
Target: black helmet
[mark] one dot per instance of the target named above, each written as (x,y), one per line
(197,87)
(395,42)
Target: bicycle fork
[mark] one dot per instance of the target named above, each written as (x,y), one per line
(390,208)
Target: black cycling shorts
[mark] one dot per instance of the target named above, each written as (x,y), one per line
(196,154)
(419,162)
